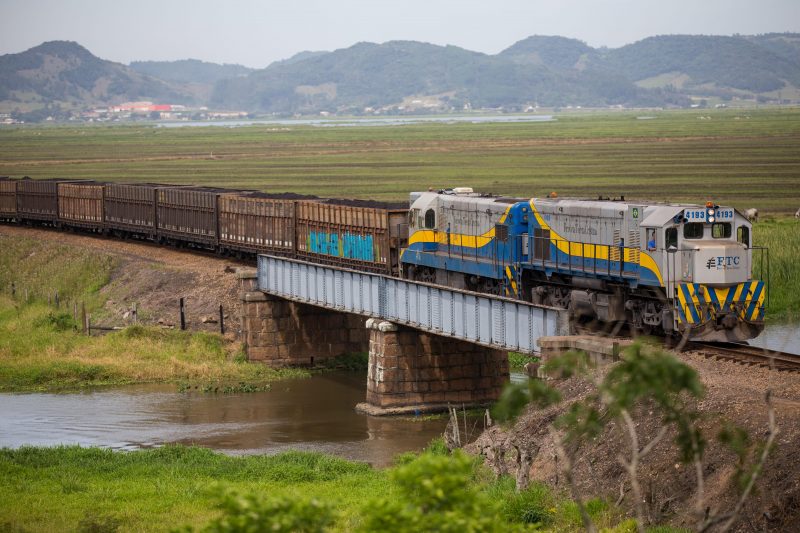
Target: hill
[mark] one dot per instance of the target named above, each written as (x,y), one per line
(63,74)
(189,70)
(710,64)
(412,76)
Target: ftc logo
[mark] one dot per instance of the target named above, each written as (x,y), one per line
(723,262)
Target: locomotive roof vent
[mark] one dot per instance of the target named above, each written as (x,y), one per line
(463,190)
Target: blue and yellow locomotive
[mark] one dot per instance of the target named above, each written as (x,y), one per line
(662,268)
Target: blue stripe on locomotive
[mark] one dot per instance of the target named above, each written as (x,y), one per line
(488,260)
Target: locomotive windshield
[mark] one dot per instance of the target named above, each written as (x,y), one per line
(721,230)
(693,230)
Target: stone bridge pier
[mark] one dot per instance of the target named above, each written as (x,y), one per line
(280,332)
(409,370)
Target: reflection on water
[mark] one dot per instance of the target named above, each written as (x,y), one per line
(376,121)
(780,337)
(313,414)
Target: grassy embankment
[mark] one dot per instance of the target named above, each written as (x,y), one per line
(40,348)
(69,489)
(782,237)
(747,158)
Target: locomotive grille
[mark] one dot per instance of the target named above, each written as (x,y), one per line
(634,244)
(614,252)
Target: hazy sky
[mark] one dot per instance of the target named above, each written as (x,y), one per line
(255,33)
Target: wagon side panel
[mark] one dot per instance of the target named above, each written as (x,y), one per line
(131,208)
(8,199)
(188,215)
(344,235)
(37,200)
(81,204)
(256,224)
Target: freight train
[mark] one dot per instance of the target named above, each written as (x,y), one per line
(356,234)
(667,269)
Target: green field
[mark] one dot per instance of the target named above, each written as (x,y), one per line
(747,158)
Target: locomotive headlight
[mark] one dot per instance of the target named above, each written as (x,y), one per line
(711,219)
(711,213)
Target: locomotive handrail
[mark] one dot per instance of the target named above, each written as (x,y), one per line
(614,257)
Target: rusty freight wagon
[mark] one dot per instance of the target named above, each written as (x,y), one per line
(131,209)
(189,215)
(256,223)
(8,199)
(37,200)
(339,233)
(80,204)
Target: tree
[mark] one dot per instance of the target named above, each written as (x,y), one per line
(645,376)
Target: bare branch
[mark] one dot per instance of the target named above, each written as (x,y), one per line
(632,468)
(652,444)
(698,471)
(568,462)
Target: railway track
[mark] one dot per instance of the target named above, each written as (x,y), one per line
(749,355)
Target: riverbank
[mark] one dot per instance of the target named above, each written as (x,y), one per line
(41,347)
(41,350)
(90,489)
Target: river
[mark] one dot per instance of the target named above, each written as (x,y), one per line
(361,121)
(314,414)
(779,337)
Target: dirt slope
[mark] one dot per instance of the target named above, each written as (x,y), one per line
(733,392)
(155,278)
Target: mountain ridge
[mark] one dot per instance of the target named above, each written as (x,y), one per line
(409,76)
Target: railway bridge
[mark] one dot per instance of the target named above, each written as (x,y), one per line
(429,345)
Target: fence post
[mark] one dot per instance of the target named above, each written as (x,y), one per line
(183,317)
(56,297)
(83,318)
(135,313)
(221,321)
(13,290)
(75,311)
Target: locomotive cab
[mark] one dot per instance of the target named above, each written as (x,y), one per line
(708,262)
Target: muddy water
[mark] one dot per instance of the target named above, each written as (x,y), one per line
(313,414)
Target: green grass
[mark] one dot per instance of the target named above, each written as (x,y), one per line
(41,268)
(517,361)
(747,158)
(72,488)
(37,353)
(782,237)
(60,489)
(42,349)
